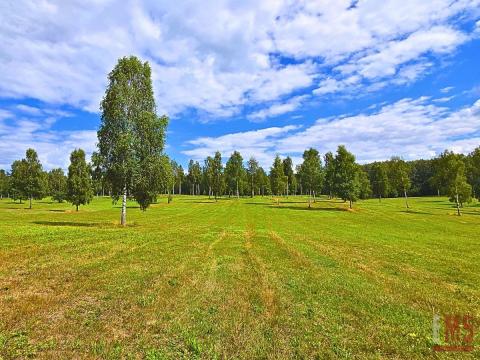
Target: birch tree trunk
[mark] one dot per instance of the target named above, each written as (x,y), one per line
(123,218)
(458,204)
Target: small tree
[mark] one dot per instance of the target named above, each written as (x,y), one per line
(252,171)
(98,173)
(194,176)
(28,179)
(288,171)
(365,186)
(450,174)
(311,173)
(235,173)
(379,180)
(401,177)
(217,175)
(347,182)
(263,182)
(4,184)
(278,180)
(79,182)
(57,183)
(473,171)
(329,183)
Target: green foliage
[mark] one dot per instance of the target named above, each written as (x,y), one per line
(379,180)
(4,184)
(421,172)
(28,181)
(131,136)
(288,171)
(263,182)
(178,176)
(253,176)
(399,175)
(311,173)
(450,175)
(218,183)
(473,171)
(79,183)
(365,186)
(347,182)
(278,179)
(194,176)
(57,184)
(98,172)
(329,183)
(235,174)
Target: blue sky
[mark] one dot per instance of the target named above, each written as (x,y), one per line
(272,77)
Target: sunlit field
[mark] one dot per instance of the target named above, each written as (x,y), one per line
(235,278)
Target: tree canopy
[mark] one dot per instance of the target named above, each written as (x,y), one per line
(131,136)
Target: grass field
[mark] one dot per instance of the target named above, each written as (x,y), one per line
(235,279)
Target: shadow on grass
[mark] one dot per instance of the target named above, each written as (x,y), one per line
(57,210)
(309,209)
(281,206)
(85,224)
(202,202)
(416,212)
(67,223)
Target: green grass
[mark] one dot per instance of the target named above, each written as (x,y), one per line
(235,279)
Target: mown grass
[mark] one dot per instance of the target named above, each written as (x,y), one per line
(235,279)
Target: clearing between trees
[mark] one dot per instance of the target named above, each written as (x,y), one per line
(237,278)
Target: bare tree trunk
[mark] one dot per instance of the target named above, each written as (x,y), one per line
(77,207)
(287,189)
(180,188)
(379,198)
(406,198)
(351,205)
(238,194)
(30,202)
(123,218)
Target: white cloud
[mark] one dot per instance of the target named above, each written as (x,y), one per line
(258,143)
(278,108)
(411,128)
(447,89)
(217,56)
(18,132)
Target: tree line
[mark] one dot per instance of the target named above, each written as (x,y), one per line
(130,163)
(335,175)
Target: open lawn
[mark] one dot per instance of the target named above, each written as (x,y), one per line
(235,279)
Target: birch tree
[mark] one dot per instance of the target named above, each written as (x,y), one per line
(131,137)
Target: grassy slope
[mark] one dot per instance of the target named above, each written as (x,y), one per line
(238,278)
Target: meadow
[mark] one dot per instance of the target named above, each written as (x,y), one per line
(242,279)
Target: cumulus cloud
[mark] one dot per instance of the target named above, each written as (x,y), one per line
(411,128)
(253,52)
(278,108)
(258,143)
(30,127)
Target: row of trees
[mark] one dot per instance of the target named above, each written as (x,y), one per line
(28,181)
(341,176)
(338,175)
(130,163)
